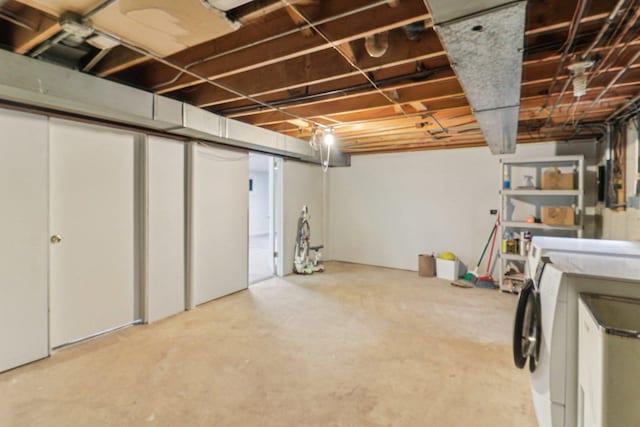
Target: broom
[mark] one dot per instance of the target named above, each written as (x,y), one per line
(487,281)
(472,276)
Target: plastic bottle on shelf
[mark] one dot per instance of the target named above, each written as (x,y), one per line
(507,180)
(505,239)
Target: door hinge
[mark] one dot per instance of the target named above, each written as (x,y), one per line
(275,254)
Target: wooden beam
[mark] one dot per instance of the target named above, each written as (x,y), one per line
(297,19)
(540,21)
(41,6)
(549,16)
(530,113)
(340,31)
(471,140)
(326,66)
(348,52)
(319,67)
(393,77)
(433,90)
(120,58)
(361,122)
(258,9)
(23,40)
(542,78)
(402,92)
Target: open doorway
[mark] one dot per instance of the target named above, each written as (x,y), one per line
(263,224)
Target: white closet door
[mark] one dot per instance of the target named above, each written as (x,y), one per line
(166,227)
(92,196)
(219,222)
(24,231)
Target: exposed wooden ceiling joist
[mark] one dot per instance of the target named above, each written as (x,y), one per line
(303,73)
(43,26)
(322,66)
(291,46)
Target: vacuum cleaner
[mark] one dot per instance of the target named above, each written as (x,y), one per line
(307,259)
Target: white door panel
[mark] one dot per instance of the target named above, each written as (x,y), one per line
(166,227)
(24,231)
(219,222)
(92,197)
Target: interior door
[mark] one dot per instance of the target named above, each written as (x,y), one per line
(219,223)
(24,231)
(93,286)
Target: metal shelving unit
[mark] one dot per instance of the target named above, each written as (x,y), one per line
(540,226)
(528,192)
(517,203)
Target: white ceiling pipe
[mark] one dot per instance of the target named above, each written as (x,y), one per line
(377,44)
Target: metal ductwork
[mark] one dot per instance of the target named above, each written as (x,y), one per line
(36,83)
(484,41)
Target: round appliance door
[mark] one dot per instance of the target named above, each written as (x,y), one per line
(527,328)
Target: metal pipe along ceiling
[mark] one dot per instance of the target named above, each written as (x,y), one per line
(418,75)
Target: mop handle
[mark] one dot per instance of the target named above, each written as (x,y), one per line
(486,246)
(492,245)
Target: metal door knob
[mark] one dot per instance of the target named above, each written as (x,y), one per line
(56,238)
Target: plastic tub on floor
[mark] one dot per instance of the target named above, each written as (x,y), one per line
(449,270)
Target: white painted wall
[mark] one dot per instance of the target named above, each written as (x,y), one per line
(259,217)
(165,228)
(302,186)
(388,208)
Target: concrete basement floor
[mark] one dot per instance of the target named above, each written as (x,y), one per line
(354,346)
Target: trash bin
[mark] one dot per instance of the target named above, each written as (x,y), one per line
(608,361)
(426,265)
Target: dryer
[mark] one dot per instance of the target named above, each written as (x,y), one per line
(541,245)
(546,327)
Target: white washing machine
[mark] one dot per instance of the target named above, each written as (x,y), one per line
(541,245)
(546,327)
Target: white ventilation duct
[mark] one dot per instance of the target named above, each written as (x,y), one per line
(484,41)
(36,83)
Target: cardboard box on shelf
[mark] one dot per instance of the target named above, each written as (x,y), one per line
(449,270)
(426,265)
(553,179)
(558,215)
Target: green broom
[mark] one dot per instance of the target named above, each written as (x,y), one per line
(472,276)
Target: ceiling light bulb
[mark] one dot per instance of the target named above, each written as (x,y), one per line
(329,138)
(579,84)
(579,78)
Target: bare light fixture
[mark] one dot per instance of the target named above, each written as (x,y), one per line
(579,78)
(328,138)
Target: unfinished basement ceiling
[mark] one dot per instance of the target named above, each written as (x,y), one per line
(374,71)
